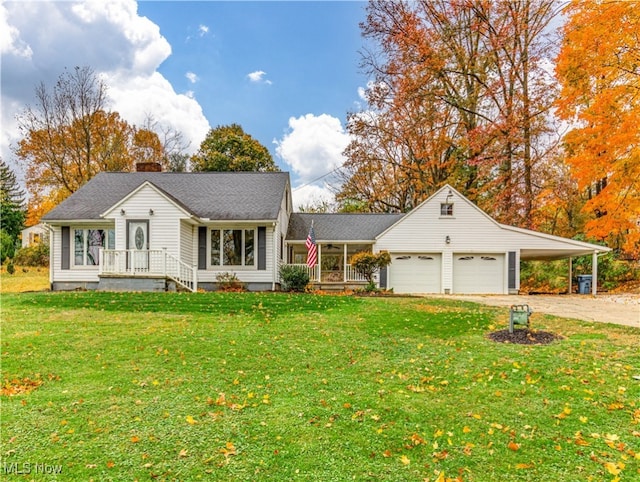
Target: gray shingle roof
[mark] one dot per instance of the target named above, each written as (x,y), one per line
(212,195)
(340,227)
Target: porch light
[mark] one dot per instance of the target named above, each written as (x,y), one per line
(150,212)
(449,196)
(122,212)
(447,240)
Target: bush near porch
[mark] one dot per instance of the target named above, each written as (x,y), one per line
(254,386)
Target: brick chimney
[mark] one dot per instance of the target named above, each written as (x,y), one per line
(148,167)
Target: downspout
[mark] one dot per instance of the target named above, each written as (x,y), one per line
(594,274)
(51,252)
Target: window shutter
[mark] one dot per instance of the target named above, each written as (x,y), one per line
(383,278)
(262,248)
(66,247)
(202,247)
(512,270)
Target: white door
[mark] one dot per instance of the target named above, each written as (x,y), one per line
(478,273)
(415,273)
(138,245)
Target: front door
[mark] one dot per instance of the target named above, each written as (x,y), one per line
(138,245)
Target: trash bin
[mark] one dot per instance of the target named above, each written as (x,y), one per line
(584,284)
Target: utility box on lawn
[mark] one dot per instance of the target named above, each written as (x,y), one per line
(519,315)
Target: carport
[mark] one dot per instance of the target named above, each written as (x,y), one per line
(572,249)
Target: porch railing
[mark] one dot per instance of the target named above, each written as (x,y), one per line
(348,275)
(151,262)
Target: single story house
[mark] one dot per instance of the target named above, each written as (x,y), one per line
(158,231)
(33,235)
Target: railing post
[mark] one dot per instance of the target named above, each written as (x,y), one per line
(195,277)
(164,261)
(100,260)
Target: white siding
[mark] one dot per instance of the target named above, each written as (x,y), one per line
(75,273)
(187,233)
(244,274)
(164,223)
(469,231)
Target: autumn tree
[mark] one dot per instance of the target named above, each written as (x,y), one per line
(229,148)
(459,96)
(599,71)
(69,136)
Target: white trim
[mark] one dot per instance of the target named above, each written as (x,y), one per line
(428,200)
(138,189)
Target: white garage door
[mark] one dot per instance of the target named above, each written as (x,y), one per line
(415,273)
(478,273)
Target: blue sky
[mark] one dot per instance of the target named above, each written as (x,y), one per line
(288,72)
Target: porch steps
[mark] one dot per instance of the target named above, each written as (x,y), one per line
(338,287)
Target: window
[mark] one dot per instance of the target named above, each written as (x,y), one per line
(233,247)
(446,209)
(87,244)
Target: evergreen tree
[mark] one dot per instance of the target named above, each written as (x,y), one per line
(12,205)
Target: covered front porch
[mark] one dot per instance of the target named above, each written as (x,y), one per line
(333,268)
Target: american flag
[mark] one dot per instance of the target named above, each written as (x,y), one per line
(312,248)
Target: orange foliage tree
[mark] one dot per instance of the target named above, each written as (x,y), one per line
(69,136)
(599,71)
(460,96)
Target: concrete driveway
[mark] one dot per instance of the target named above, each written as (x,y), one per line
(619,309)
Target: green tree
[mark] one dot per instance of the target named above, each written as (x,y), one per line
(229,148)
(12,207)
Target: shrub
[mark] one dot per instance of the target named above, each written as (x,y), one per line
(293,278)
(35,255)
(229,282)
(7,246)
(368,264)
(10,268)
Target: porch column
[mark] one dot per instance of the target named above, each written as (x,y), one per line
(319,263)
(344,264)
(594,274)
(570,275)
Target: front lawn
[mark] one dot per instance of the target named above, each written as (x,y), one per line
(241,386)
(24,278)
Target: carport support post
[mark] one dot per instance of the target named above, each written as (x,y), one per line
(594,273)
(570,275)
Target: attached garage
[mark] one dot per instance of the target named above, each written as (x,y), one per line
(415,273)
(478,273)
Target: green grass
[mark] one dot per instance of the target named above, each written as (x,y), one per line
(244,386)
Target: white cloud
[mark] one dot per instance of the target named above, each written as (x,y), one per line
(193,78)
(258,77)
(203,30)
(10,41)
(311,195)
(123,47)
(313,146)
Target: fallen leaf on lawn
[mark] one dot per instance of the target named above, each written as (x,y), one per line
(228,450)
(614,469)
(524,466)
(190,420)
(405,460)
(111,464)
(513,446)
(182,453)
(135,439)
